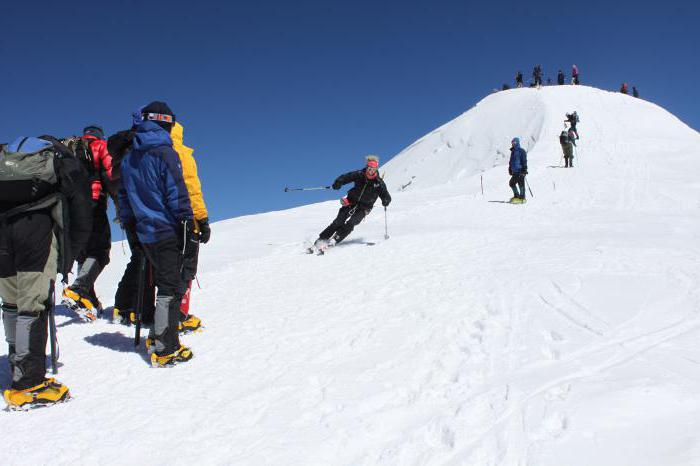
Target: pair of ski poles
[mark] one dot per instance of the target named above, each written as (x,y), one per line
(322,188)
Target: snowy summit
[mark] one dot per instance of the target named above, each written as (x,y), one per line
(559,332)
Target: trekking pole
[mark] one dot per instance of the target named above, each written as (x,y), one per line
(139,298)
(386,225)
(482,184)
(318,188)
(52,328)
(528,188)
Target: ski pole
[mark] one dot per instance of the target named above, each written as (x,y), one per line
(386,225)
(528,188)
(318,188)
(482,184)
(52,328)
(139,298)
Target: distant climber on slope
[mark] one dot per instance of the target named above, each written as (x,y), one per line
(635,92)
(517,169)
(356,205)
(623,88)
(572,119)
(567,145)
(574,75)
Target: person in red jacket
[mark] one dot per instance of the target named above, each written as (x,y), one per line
(91,149)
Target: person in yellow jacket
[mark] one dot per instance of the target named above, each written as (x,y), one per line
(190,322)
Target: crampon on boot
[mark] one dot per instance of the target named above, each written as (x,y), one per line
(47,393)
(82,305)
(123,317)
(191,324)
(183,354)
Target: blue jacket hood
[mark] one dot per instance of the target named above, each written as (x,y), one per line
(29,146)
(516,142)
(149,135)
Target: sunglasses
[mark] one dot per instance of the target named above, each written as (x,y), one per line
(160,117)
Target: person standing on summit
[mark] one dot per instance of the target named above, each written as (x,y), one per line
(537,76)
(560,77)
(574,75)
(517,169)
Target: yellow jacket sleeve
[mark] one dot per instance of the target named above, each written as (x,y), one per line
(189,173)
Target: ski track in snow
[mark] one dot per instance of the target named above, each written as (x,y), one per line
(560,332)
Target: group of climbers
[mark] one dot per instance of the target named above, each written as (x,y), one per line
(53,212)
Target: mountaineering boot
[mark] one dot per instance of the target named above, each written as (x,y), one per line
(191,323)
(81,304)
(183,354)
(123,317)
(518,200)
(45,394)
(150,345)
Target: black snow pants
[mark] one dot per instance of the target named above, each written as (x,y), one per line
(348,218)
(517,180)
(96,256)
(165,258)
(127,290)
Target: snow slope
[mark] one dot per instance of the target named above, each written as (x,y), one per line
(562,332)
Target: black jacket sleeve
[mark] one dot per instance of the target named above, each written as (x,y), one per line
(349,177)
(76,192)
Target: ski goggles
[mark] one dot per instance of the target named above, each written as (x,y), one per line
(160,117)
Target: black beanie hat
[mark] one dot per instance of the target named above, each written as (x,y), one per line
(159,108)
(94,130)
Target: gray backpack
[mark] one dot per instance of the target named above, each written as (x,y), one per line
(26,177)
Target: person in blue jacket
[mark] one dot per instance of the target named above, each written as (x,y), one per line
(155,209)
(517,169)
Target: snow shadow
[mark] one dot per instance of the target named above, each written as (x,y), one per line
(115,341)
(65,311)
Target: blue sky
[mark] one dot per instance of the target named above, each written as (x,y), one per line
(280,93)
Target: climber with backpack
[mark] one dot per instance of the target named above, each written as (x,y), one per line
(91,150)
(45,222)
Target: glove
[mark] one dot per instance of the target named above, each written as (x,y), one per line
(204,231)
(524,172)
(510,172)
(386,203)
(337,185)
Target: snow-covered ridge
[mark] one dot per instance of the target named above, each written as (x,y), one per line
(562,332)
(479,139)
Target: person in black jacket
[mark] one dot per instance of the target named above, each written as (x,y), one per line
(537,76)
(560,78)
(357,204)
(38,238)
